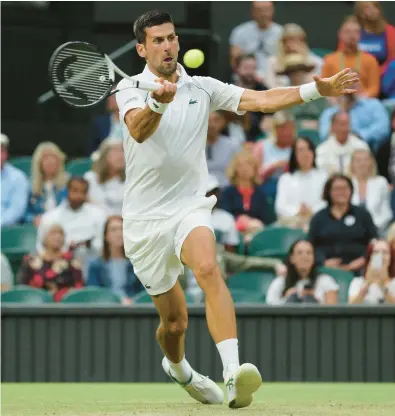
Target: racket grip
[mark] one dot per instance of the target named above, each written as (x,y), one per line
(148,85)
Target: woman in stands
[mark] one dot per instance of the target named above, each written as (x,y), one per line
(370,190)
(299,191)
(48,181)
(377,35)
(244,198)
(293,40)
(53,269)
(303,283)
(341,232)
(107,179)
(377,285)
(112,269)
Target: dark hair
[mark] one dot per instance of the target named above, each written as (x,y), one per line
(293,163)
(106,246)
(337,114)
(293,275)
(78,179)
(329,183)
(149,19)
(369,252)
(239,59)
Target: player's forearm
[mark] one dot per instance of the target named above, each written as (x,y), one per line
(142,124)
(270,101)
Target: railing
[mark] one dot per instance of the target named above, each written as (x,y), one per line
(69,343)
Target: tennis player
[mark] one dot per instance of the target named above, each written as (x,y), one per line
(167,218)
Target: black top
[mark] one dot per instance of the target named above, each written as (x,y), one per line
(346,238)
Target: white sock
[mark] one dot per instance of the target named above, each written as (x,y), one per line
(229,352)
(181,371)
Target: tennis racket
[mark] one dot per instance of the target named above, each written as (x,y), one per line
(82,76)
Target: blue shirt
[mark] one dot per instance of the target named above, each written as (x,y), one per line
(118,273)
(14,195)
(375,44)
(369,120)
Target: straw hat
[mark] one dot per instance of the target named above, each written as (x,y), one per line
(295,62)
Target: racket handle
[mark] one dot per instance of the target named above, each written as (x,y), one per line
(148,85)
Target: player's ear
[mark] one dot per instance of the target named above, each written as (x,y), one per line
(140,48)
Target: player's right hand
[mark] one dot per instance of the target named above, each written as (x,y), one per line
(165,94)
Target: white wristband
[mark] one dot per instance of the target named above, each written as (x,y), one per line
(308,92)
(156,106)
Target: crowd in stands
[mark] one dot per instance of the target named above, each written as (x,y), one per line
(325,168)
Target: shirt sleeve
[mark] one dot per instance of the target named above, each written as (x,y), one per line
(129,98)
(274,294)
(222,96)
(283,206)
(355,286)
(328,283)
(236,37)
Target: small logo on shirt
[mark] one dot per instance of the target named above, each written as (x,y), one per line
(349,221)
(147,286)
(192,102)
(156,106)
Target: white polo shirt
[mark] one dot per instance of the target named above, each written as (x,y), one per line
(169,170)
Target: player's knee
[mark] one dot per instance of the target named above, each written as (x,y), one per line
(206,270)
(176,327)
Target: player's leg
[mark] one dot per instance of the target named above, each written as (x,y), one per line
(170,334)
(198,252)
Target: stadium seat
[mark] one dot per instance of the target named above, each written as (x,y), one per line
(16,242)
(313,135)
(254,282)
(22,163)
(144,297)
(271,214)
(274,242)
(342,278)
(246,296)
(91,295)
(26,294)
(79,167)
(321,52)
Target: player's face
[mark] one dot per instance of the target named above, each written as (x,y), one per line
(303,256)
(160,49)
(77,194)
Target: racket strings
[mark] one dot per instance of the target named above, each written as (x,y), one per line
(80,76)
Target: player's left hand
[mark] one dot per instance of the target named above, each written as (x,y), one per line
(338,84)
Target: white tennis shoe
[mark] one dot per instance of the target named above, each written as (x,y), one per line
(199,387)
(240,385)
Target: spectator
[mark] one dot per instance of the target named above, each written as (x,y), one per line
(82,222)
(349,56)
(273,153)
(7,276)
(391,164)
(52,269)
(302,283)
(259,36)
(388,81)
(377,36)
(112,269)
(247,77)
(14,189)
(341,232)
(370,191)
(219,149)
(107,179)
(369,119)
(244,199)
(334,155)
(293,41)
(377,285)
(48,181)
(294,206)
(223,221)
(106,125)
(298,67)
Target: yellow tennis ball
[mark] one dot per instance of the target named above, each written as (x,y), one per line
(193,58)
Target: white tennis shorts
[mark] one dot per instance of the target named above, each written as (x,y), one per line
(154,246)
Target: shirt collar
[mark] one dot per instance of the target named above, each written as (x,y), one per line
(183,77)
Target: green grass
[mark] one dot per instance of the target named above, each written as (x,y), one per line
(278,399)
